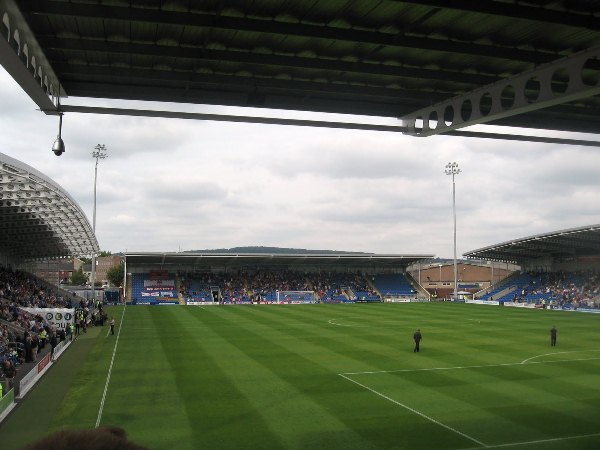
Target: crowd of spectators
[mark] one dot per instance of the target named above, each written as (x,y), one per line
(23,335)
(262,286)
(579,289)
(22,289)
(559,289)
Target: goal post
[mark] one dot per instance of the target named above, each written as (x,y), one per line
(296,297)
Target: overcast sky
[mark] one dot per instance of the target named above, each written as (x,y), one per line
(171,185)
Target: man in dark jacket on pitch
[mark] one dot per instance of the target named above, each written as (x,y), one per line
(417,337)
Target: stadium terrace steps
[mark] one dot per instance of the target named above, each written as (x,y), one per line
(393,285)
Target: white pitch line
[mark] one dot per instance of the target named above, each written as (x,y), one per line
(356,325)
(540,441)
(112,360)
(557,353)
(466,367)
(333,322)
(414,411)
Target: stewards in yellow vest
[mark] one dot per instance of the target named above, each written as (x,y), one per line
(43,336)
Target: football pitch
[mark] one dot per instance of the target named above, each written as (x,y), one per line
(327,376)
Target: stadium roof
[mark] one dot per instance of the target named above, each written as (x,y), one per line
(351,260)
(38,218)
(559,245)
(436,65)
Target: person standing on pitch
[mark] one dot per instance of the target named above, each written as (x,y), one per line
(417,337)
(112,326)
(553,333)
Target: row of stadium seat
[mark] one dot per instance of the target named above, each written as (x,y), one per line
(580,288)
(261,286)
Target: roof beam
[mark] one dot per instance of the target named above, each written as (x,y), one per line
(246,24)
(505,255)
(198,55)
(518,11)
(532,90)
(562,117)
(17,69)
(573,241)
(308,123)
(301,95)
(139,77)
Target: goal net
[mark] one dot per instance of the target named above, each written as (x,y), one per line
(296,297)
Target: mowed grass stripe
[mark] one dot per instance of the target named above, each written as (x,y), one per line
(497,404)
(383,337)
(219,411)
(143,392)
(378,421)
(79,409)
(260,371)
(514,398)
(336,347)
(50,401)
(267,376)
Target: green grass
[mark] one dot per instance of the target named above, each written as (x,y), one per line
(330,376)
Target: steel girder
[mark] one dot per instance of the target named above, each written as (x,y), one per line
(38,218)
(551,84)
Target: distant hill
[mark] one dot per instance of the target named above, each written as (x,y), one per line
(271,250)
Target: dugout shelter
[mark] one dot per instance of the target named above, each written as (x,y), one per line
(430,66)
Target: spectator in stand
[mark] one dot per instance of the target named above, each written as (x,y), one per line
(53,344)
(35,345)
(42,336)
(28,348)
(9,371)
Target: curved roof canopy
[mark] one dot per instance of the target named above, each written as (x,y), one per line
(173,261)
(436,65)
(38,218)
(559,245)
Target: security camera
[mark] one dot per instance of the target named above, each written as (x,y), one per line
(59,146)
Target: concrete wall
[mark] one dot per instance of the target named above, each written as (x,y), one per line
(439,278)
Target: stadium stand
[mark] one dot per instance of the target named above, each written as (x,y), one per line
(394,285)
(518,286)
(260,286)
(26,338)
(562,289)
(154,287)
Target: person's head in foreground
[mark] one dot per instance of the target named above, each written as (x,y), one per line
(103,438)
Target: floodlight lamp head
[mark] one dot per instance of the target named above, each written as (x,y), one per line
(99,152)
(452,168)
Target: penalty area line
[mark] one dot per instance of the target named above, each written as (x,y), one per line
(112,360)
(557,353)
(539,441)
(414,411)
(481,366)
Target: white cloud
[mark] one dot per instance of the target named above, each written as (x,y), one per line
(183,184)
